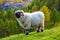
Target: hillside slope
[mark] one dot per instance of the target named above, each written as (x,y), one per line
(50,34)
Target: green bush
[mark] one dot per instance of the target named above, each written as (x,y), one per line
(46,12)
(54,16)
(8,24)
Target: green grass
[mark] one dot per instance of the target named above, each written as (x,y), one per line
(49,34)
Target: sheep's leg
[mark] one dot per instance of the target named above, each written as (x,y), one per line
(38,28)
(42,26)
(26,31)
(27,28)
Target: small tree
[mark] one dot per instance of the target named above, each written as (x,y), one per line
(35,7)
(54,16)
(3,14)
(10,14)
(46,11)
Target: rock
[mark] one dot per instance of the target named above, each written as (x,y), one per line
(13,5)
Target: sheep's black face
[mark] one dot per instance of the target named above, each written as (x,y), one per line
(18,14)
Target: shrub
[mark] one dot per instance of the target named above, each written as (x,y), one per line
(54,16)
(8,24)
(47,15)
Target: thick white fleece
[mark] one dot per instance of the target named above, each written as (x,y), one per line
(31,19)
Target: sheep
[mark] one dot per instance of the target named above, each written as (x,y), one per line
(28,20)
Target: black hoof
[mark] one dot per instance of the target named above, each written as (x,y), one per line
(41,30)
(37,30)
(26,33)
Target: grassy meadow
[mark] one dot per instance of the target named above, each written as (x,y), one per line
(48,34)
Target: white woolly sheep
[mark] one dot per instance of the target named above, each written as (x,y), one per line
(28,20)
